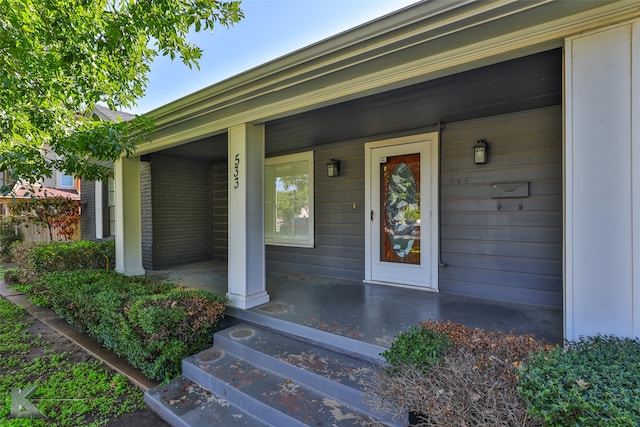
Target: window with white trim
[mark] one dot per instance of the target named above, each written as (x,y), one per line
(65,181)
(288,200)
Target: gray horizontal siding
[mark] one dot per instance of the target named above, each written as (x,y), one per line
(339,228)
(508,248)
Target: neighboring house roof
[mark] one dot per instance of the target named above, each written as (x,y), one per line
(104,113)
(24,192)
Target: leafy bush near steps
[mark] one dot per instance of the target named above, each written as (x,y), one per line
(592,382)
(154,326)
(417,347)
(34,259)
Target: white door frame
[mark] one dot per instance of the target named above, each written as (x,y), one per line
(433,183)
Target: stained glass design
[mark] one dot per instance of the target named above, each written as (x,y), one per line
(401,207)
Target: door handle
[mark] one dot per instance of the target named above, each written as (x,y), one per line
(371,215)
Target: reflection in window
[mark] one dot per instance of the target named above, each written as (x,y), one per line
(66,181)
(289,200)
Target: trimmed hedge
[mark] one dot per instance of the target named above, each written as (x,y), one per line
(592,382)
(35,259)
(153,325)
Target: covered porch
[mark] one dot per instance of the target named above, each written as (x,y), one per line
(368,313)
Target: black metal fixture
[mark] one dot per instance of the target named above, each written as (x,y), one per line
(333,168)
(480,152)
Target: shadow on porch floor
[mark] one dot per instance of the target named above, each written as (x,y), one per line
(372,313)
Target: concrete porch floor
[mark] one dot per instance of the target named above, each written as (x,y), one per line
(372,313)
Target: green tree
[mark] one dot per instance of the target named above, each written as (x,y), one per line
(58,58)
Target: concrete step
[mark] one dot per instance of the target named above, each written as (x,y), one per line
(335,374)
(269,378)
(184,403)
(274,399)
(360,349)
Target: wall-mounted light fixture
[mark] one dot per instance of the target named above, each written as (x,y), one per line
(333,168)
(480,152)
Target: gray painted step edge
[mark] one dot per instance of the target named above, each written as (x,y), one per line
(191,408)
(338,343)
(247,403)
(346,394)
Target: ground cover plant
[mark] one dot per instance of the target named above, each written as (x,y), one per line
(592,382)
(71,388)
(470,378)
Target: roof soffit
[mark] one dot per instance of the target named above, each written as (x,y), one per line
(413,45)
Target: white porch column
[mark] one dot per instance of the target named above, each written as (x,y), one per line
(246,265)
(128,217)
(602,183)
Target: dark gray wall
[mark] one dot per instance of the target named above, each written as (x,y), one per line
(512,253)
(500,248)
(88,217)
(146,206)
(181,191)
(339,227)
(219,201)
(507,248)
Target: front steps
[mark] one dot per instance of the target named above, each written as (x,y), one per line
(255,376)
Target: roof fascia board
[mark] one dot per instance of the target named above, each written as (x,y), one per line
(384,31)
(537,38)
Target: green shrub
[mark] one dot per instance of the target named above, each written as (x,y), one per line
(8,236)
(153,325)
(32,260)
(592,382)
(417,347)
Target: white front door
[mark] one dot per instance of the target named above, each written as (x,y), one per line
(401,238)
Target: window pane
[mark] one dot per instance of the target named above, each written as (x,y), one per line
(288,207)
(66,180)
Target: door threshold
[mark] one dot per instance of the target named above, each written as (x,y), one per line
(402,285)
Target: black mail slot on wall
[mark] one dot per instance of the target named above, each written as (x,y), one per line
(501,190)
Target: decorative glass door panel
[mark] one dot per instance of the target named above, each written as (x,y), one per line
(400,209)
(401,238)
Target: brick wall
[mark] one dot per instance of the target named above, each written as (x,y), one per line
(147,215)
(88,216)
(181,216)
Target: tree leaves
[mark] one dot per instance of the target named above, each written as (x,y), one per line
(58,58)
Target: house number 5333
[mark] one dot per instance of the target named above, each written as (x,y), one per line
(236,171)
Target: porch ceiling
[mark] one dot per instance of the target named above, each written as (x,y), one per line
(209,150)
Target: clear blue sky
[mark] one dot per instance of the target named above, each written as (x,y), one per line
(270,29)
